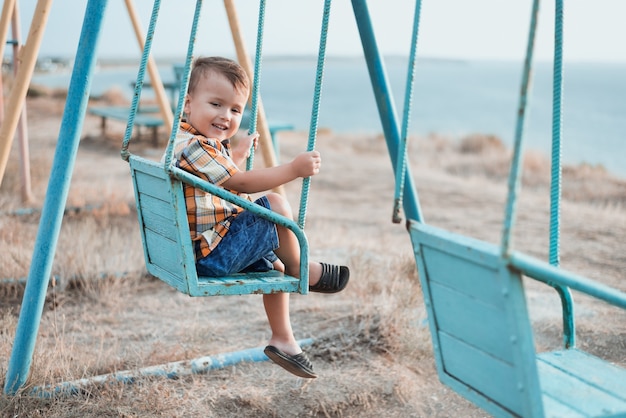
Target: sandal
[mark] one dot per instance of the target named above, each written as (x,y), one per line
(334,279)
(298,364)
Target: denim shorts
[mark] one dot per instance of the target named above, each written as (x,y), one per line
(248,246)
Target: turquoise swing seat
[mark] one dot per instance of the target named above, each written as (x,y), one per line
(168,251)
(482,336)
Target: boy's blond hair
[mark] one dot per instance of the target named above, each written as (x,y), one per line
(203,66)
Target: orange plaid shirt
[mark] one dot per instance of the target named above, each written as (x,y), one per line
(209,216)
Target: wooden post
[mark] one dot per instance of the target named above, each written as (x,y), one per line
(5,18)
(155,78)
(22,129)
(267,147)
(28,58)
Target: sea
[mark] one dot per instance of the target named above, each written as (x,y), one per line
(453,98)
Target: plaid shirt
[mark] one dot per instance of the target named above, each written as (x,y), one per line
(209,216)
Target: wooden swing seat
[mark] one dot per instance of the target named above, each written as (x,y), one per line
(168,251)
(482,336)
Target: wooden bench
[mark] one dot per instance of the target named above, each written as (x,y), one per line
(483,340)
(145,117)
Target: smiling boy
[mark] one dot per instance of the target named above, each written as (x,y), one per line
(226,238)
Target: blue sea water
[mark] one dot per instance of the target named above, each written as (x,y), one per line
(453,98)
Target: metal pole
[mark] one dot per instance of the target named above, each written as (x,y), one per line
(174,370)
(56,196)
(384,100)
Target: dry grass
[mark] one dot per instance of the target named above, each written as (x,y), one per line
(371,344)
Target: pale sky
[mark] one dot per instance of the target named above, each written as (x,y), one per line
(463,29)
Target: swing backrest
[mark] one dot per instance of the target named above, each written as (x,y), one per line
(482,337)
(163,222)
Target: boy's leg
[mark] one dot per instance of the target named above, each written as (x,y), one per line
(277,305)
(277,311)
(283,347)
(289,250)
(248,246)
(323,278)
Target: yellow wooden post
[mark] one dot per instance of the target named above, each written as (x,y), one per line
(5,18)
(155,78)
(22,129)
(267,147)
(28,58)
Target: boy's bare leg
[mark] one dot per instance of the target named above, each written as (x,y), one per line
(277,304)
(277,311)
(289,250)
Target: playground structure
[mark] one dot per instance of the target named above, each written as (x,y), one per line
(481,333)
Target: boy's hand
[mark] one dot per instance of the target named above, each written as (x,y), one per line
(241,148)
(307,164)
(261,179)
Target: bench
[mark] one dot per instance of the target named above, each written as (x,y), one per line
(482,337)
(147,117)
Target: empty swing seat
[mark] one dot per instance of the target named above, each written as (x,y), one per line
(168,250)
(482,336)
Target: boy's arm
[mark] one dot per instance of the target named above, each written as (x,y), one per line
(261,179)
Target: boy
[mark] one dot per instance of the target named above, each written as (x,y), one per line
(226,238)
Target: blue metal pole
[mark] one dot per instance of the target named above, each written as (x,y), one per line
(385,103)
(173,370)
(56,196)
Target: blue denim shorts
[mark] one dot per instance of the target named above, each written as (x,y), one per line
(248,246)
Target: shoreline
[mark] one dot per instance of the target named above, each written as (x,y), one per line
(454,101)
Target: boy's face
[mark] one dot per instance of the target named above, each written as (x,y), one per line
(215,107)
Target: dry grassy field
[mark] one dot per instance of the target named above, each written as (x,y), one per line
(371,346)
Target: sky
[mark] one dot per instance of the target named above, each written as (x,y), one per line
(455,29)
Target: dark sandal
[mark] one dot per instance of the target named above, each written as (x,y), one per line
(334,279)
(299,364)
